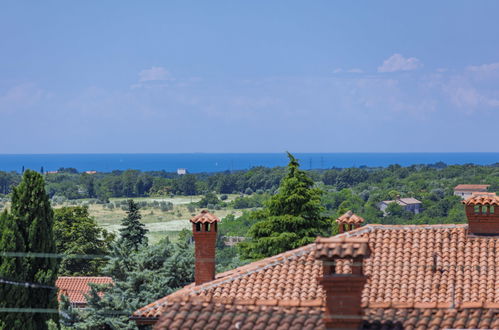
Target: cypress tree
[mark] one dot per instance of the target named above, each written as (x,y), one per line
(132,231)
(28,229)
(12,269)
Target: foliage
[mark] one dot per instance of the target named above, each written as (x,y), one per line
(232,226)
(132,231)
(76,233)
(253,201)
(209,199)
(140,278)
(28,228)
(292,217)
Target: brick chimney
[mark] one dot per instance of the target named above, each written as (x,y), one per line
(349,221)
(343,290)
(204,230)
(482,212)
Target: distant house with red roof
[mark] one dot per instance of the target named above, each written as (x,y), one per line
(76,287)
(370,277)
(467,190)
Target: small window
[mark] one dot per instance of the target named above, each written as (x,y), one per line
(198,226)
(207,227)
(477,208)
(491,209)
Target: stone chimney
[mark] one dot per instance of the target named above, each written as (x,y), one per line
(343,289)
(482,212)
(204,230)
(349,221)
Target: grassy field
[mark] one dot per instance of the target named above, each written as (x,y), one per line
(160,223)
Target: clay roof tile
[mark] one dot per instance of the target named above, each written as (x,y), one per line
(204,217)
(350,218)
(482,200)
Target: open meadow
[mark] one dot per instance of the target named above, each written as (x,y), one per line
(163,216)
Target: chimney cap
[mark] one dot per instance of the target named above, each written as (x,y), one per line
(350,218)
(204,217)
(341,247)
(482,200)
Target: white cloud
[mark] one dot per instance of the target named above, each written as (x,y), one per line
(156,73)
(22,96)
(397,62)
(485,68)
(353,70)
(464,94)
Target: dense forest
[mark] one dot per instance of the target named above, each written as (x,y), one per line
(413,179)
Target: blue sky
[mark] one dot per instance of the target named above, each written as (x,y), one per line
(248,76)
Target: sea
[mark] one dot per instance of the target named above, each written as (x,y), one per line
(220,162)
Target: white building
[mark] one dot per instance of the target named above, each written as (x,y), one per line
(467,190)
(409,204)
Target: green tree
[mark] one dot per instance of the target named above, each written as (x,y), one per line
(76,233)
(29,228)
(209,198)
(132,231)
(292,217)
(12,269)
(140,278)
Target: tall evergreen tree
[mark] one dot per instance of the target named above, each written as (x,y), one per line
(28,229)
(132,231)
(12,269)
(292,217)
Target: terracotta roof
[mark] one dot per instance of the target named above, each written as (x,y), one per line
(219,315)
(205,217)
(482,200)
(192,315)
(471,187)
(341,247)
(75,288)
(431,318)
(411,266)
(350,218)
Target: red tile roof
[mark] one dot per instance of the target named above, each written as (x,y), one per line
(205,217)
(75,288)
(431,318)
(471,187)
(196,315)
(482,200)
(411,266)
(199,314)
(350,218)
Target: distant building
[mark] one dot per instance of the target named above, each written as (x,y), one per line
(467,190)
(51,172)
(181,171)
(76,287)
(90,172)
(409,204)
